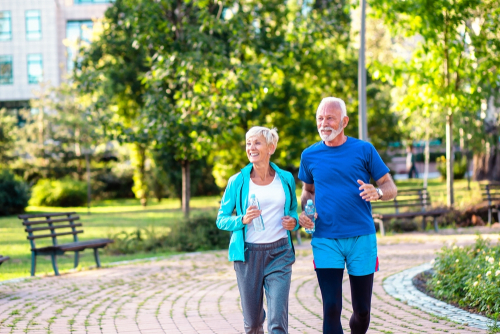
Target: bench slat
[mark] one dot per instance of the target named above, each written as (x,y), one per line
(51,227)
(52,235)
(80,245)
(411,214)
(38,215)
(60,220)
(399,206)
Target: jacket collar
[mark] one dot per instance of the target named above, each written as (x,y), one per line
(245,171)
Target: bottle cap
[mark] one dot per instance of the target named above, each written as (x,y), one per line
(252,196)
(309,202)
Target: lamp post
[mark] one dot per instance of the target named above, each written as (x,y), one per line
(362,123)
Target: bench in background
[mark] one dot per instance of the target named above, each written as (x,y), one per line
(491,193)
(53,225)
(410,203)
(3,259)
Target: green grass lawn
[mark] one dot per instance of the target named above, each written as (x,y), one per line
(437,190)
(112,216)
(107,218)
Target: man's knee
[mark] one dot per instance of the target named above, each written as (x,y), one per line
(363,312)
(332,308)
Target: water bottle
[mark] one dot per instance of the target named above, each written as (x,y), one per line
(258,223)
(310,211)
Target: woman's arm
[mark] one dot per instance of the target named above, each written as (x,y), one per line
(225,220)
(293,209)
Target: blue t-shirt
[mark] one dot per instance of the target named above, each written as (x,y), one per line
(334,171)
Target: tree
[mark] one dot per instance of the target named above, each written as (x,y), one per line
(449,71)
(110,69)
(306,53)
(170,70)
(56,133)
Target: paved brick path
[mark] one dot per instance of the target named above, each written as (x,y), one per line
(197,293)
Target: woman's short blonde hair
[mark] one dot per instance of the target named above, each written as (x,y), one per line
(271,135)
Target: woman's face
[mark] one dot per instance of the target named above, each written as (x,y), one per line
(258,150)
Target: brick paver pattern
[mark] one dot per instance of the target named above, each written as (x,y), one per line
(197,293)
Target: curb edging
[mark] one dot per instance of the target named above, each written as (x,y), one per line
(400,286)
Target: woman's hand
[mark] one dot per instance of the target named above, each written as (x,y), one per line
(252,213)
(288,223)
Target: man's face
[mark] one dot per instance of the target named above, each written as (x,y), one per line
(329,122)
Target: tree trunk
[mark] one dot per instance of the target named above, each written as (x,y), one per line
(89,194)
(449,160)
(138,158)
(186,188)
(426,165)
(487,164)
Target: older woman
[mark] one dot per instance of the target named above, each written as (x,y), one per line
(262,259)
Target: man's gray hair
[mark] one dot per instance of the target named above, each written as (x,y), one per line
(328,101)
(271,135)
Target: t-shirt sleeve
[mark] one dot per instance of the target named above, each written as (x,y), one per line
(304,172)
(377,167)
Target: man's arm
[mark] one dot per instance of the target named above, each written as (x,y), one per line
(307,193)
(385,183)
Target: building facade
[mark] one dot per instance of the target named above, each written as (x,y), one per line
(38,42)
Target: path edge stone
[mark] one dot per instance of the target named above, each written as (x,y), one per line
(400,286)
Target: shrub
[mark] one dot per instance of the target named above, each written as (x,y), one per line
(14,194)
(64,192)
(469,276)
(459,167)
(194,234)
(198,233)
(403,225)
(140,240)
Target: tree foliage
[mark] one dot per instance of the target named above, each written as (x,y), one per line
(453,70)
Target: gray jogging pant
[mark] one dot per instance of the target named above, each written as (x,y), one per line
(267,267)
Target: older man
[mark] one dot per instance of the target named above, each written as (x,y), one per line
(336,176)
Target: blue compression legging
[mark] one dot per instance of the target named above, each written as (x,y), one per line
(330,283)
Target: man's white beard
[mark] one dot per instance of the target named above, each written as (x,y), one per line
(334,133)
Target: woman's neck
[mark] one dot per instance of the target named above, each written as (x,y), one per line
(262,170)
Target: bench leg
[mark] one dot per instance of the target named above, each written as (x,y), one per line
(54,264)
(33,263)
(381,227)
(424,223)
(77,258)
(436,224)
(498,212)
(299,238)
(490,213)
(96,256)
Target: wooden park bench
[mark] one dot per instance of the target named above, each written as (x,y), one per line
(64,223)
(3,259)
(491,193)
(409,203)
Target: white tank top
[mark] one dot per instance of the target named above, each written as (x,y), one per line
(272,203)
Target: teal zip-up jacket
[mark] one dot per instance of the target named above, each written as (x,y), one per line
(236,197)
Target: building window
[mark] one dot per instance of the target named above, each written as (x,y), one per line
(5,26)
(35,68)
(33,25)
(6,77)
(76,33)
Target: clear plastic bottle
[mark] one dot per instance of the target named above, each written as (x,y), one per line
(310,213)
(258,223)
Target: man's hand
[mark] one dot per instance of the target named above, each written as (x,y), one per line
(252,213)
(305,222)
(368,193)
(288,223)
